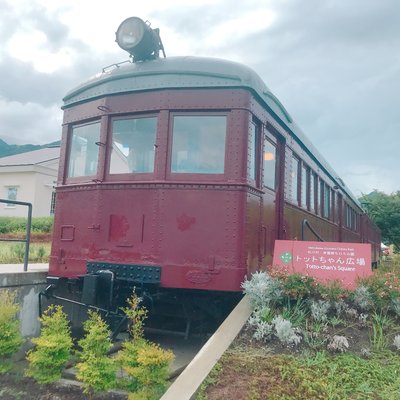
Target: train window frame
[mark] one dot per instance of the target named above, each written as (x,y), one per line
(130,176)
(195,176)
(254,152)
(81,178)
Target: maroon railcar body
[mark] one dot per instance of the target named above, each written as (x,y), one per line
(204,229)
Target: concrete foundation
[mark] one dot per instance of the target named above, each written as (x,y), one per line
(27,286)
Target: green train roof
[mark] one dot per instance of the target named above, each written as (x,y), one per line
(193,72)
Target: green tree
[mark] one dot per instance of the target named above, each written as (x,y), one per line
(10,336)
(384,210)
(53,347)
(96,370)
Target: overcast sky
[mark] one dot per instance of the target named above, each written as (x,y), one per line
(334,64)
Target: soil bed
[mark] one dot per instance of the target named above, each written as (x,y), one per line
(16,387)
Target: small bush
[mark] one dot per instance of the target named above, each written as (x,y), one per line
(339,344)
(147,367)
(10,336)
(96,370)
(285,332)
(319,310)
(136,315)
(53,347)
(396,342)
(362,298)
(333,291)
(299,286)
(262,290)
(263,329)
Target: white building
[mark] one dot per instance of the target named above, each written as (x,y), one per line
(29,177)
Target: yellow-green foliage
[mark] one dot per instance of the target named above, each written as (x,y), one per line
(146,365)
(53,347)
(10,336)
(96,370)
(136,314)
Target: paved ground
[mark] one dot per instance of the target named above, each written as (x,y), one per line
(10,268)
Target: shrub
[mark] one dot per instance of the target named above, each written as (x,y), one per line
(53,347)
(333,291)
(147,367)
(144,363)
(297,286)
(396,342)
(96,370)
(285,332)
(395,306)
(263,329)
(319,310)
(362,298)
(136,314)
(262,290)
(383,288)
(10,336)
(339,344)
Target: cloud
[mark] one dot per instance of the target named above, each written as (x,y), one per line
(333,64)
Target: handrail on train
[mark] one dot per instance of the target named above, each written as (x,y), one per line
(303,224)
(28,229)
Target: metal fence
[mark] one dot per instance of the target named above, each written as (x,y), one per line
(28,229)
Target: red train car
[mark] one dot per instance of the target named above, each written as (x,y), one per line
(179,174)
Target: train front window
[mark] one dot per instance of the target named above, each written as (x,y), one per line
(133,145)
(84,151)
(198,144)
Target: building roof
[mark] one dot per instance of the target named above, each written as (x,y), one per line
(35,157)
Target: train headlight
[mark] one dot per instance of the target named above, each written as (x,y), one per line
(137,38)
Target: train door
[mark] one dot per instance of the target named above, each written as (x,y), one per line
(272,162)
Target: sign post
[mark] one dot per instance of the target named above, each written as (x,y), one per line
(325,261)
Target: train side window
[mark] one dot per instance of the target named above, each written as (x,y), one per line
(294,174)
(83,151)
(304,185)
(269,165)
(327,201)
(198,144)
(254,152)
(133,148)
(312,192)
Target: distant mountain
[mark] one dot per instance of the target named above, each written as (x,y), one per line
(11,149)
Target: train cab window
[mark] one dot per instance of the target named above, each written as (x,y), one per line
(133,147)
(84,150)
(198,144)
(269,164)
(294,175)
(304,185)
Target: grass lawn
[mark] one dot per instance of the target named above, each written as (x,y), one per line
(13,253)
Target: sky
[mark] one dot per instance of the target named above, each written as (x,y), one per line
(334,64)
